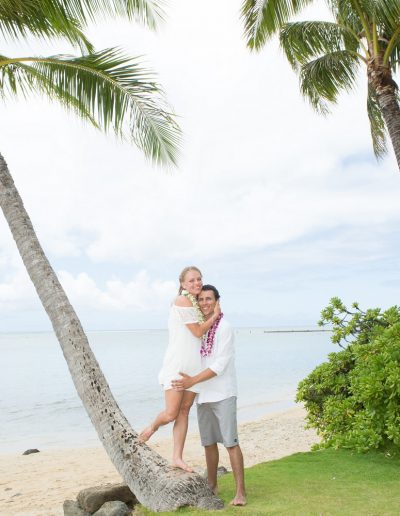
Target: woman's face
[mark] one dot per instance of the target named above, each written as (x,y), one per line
(192,282)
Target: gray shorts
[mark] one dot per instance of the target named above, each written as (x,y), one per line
(217,422)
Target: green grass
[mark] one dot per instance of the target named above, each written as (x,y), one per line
(326,482)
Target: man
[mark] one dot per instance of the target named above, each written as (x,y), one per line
(216,402)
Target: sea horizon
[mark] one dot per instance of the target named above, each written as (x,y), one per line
(39,406)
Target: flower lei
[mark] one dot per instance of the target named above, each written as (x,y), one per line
(195,304)
(208,343)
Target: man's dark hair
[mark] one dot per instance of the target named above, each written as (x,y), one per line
(211,287)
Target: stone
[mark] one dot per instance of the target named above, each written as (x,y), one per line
(92,498)
(210,503)
(116,508)
(71,508)
(31,450)
(221,470)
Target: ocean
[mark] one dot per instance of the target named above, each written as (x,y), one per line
(39,407)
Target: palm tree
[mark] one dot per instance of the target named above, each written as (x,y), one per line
(111,91)
(328,55)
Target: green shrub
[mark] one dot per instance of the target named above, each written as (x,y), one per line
(353,399)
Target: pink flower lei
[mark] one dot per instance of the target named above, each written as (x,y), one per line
(208,343)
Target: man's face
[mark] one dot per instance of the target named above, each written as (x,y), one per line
(207,302)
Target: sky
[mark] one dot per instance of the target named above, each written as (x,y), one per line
(279,207)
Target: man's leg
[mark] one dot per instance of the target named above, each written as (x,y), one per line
(210,435)
(236,458)
(212,459)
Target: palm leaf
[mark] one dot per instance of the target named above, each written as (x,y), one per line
(263,18)
(22,79)
(324,78)
(302,41)
(40,18)
(59,18)
(147,12)
(349,20)
(107,89)
(385,13)
(377,125)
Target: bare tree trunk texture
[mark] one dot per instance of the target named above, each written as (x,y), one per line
(155,484)
(381,79)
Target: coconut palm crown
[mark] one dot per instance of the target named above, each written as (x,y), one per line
(328,55)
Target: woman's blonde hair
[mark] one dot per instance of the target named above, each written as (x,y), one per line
(183,274)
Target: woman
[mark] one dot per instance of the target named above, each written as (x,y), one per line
(186,326)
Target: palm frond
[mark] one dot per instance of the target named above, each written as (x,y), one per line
(377,125)
(343,12)
(40,18)
(105,88)
(324,78)
(385,13)
(263,18)
(147,12)
(348,19)
(16,80)
(390,10)
(392,52)
(59,18)
(301,41)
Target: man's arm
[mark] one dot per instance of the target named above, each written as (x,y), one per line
(188,381)
(225,354)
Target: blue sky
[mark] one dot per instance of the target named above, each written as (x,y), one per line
(281,209)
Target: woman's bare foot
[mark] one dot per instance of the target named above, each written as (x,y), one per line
(145,434)
(239,500)
(179,463)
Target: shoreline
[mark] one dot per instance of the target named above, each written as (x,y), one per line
(38,484)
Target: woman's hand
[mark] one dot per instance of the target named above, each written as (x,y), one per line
(217,310)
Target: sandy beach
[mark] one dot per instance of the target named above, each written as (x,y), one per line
(38,484)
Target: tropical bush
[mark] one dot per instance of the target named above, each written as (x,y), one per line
(353,399)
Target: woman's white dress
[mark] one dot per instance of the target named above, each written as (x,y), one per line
(183,351)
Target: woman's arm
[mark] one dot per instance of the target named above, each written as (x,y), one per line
(198,329)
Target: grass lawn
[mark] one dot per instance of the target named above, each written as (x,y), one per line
(321,483)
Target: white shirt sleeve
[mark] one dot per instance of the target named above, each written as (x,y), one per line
(225,351)
(187,314)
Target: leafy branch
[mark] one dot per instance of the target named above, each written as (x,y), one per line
(356,325)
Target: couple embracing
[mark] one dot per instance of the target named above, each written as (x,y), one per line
(199,363)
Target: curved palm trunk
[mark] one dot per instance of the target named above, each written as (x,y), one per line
(155,484)
(381,80)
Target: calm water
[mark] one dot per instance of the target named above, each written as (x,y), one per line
(39,407)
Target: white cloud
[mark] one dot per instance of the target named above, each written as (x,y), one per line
(17,293)
(140,294)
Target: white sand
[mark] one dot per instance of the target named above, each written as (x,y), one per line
(38,484)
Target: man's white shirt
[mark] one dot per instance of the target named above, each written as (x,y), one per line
(222,362)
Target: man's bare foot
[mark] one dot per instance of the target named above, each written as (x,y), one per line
(239,501)
(214,490)
(179,463)
(145,434)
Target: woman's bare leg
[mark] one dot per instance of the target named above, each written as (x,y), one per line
(180,430)
(173,401)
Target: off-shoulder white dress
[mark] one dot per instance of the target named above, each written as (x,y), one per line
(183,350)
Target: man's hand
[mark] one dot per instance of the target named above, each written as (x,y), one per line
(183,383)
